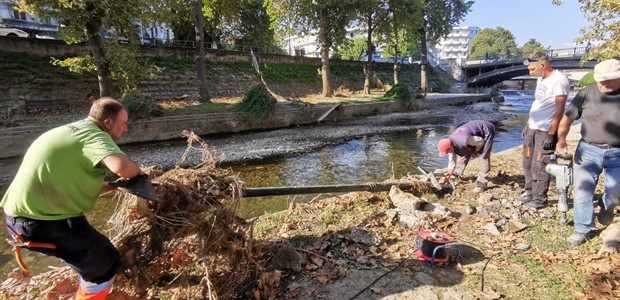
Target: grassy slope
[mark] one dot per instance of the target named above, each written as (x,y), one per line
(21,68)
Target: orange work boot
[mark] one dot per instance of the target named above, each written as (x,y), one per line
(84,295)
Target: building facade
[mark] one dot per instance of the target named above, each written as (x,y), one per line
(308,44)
(11,17)
(452,51)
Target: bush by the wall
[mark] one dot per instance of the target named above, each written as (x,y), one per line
(139,105)
(588,79)
(398,92)
(257,101)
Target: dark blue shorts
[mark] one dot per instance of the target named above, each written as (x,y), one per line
(87,251)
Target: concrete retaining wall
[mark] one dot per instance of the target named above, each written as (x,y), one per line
(17,139)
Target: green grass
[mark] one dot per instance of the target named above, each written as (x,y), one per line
(556,286)
(549,235)
(20,68)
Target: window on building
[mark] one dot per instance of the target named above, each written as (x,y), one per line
(19,15)
(48,20)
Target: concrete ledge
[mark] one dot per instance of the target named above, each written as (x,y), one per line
(16,140)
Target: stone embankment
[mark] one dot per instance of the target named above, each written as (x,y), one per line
(17,139)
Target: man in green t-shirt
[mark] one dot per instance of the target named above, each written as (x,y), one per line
(61,178)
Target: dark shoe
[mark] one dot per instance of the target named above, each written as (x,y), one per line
(577,238)
(480,187)
(535,204)
(605,216)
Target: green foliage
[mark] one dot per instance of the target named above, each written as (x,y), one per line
(398,92)
(441,16)
(257,101)
(353,49)
(126,68)
(532,46)
(78,64)
(335,55)
(588,79)
(254,27)
(495,42)
(603,30)
(139,105)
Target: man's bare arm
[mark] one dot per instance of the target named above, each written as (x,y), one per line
(560,103)
(122,165)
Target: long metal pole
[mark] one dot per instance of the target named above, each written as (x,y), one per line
(315,189)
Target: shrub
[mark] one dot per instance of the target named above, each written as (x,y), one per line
(398,92)
(588,79)
(139,105)
(257,101)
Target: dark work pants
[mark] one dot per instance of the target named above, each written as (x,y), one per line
(536,178)
(87,251)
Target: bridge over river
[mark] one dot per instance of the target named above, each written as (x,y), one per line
(487,72)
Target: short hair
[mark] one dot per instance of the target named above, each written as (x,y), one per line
(536,57)
(105,107)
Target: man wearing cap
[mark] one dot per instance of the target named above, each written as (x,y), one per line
(472,139)
(540,132)
(598,106)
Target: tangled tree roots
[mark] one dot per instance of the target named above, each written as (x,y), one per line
(192,245)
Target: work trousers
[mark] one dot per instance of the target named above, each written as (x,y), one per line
(87,251)
(536,178)
(485,165)
(589,162)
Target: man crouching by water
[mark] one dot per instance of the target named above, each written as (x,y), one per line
(472,139)
(61,178)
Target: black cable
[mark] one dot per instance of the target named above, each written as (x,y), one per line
(482,274)
(379,278)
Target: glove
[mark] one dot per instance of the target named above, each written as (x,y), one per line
(550,145)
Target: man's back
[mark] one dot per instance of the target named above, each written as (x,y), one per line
(60,176)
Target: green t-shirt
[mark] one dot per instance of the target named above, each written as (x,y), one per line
(61,174)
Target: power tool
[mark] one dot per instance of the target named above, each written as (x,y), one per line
(561,167)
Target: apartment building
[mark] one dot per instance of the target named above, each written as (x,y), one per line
(452,51)
(37,27)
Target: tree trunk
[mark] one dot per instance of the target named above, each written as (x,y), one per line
(397,59)
(368,72)
(424,60)
(327,88)
(200,52)
(95,43)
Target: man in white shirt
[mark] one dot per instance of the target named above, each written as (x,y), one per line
(540,132)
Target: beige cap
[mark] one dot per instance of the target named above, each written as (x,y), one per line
(607,70)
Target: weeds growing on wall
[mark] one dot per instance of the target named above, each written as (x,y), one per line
(257,101)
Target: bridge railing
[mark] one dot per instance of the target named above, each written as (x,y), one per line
(553,53)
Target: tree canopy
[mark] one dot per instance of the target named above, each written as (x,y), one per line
(603,33)
(532,46)
(493,43)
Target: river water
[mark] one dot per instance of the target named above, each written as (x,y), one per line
(371,158)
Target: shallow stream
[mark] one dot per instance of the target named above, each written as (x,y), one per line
(371,158)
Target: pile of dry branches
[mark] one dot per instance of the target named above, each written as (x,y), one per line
(192,244)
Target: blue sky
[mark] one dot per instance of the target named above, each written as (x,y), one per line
(555,26)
